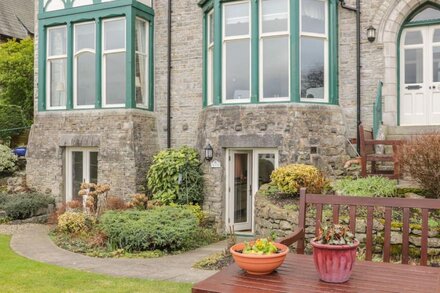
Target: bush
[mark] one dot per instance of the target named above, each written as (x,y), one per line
(8,161)
(421,158)
(11,117)
(115,203)
(74,222)
(289,179)
(23,206)
(165,228)
(176,176)
(373,186)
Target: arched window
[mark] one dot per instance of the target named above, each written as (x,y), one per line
(426,14)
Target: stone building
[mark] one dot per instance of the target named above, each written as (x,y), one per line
(264,82)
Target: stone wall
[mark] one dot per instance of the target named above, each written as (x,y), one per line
(125,139)
(283,221)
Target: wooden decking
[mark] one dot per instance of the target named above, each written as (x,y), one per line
(298,274)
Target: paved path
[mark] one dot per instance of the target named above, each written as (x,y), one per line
(32,241)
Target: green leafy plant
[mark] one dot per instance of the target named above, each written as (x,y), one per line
(8,161)
(335,235)
(289,179)
(373,186)
(165,228)
(263,246)
(176,176)
(23,206)
(12,121)
(74,222)
(421,158)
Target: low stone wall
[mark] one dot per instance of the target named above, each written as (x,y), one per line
(271,218)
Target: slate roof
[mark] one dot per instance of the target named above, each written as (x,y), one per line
(16,18)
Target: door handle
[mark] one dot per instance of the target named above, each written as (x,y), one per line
(432,87)
(413,87)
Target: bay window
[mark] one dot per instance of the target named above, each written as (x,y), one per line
(141,77)
(268,51)
(56,67)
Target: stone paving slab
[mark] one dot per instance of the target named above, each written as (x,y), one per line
(33,242)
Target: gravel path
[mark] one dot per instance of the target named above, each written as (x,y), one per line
(32,241)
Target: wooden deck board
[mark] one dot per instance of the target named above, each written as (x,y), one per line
(298,274)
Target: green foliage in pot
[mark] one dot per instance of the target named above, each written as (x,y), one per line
(263,246)
(335,235)
(8,161)
(176,176)
(373,186)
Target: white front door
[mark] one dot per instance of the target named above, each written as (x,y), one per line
(420,76)
(81,166)
(247,171)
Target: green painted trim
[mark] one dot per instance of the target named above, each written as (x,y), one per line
(130,55)
(333,52)
(295,77)
(205,61)
(41,68)
(85,9)
(151,69)
(69,102)
(98,63)
(255,56)
(217,74)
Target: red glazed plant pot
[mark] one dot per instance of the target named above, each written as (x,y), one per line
(259,264)
(334,263)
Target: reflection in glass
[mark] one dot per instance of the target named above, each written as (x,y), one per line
(57,41)
(429,13)
(238,69)
(114,34)
(266,165)
(77,174)
(57,71)
(312,68)
(85,36)
(276,67)
(436,64)
(115,78)
(414,38)
(413,66)
(313,16)
(85,83)
(275,14)
(93,167)
(237,19)
(141,79)
(240,188)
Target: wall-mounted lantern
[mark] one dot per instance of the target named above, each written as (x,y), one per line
(371,34)
(209,152)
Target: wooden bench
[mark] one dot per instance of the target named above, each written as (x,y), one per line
(370,203)
(368,154)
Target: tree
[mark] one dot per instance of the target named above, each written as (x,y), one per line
(17,75)
(11,117)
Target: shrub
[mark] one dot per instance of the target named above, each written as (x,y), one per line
(24,206)
(74,222)
(8,161)
(116,204)
(176,176)
(421,158)
(195,209)
(168,228)
(373,186)
(74,205)
(289,179)
(11,117)
(139,202)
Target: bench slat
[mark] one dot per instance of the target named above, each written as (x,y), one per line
(425,230)
(369,248)
(318,218)
(336,214)
(353,219)
(387,236)
(405,237)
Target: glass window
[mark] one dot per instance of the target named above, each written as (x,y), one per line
(429,13)
(56,68)
(274,15)
(237,52)
(52,5)
(210,61)
(78,3)
(114,71)
(84,65)
(141,78)
(413,38)
(413,66)
(313,16)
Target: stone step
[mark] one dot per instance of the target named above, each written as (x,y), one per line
(406,132)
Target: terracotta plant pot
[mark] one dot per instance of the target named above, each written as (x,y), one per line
(334,263)
(258,264)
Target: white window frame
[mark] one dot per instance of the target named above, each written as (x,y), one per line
(210,63)
(48,68)
(68,167)
(225,40)
(145,104)
(104,61)
(264,36)
(75,65)
(326,61)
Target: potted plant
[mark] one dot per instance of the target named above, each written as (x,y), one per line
(334,253)
(259,257)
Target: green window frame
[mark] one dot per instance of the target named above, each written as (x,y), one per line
(213,90)
(97,13)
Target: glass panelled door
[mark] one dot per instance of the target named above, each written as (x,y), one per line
(81,166)
(420,76)
(241,188)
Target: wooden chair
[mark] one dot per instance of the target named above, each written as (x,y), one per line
(370,203)
(368,154)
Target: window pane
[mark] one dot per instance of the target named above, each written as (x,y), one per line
(85,36)
(210,88)
(211,28)
(313,16)
(413,66)
(266,165)
(237,70)
(436,64)
(57,70)
(312,68)
(57,41)
(77,174)
(77,3)
(93,167)
(53,5)
(115,78)
(85,84)
(141,79)
(114,34)
(276,67)
(275,13)
(414,38)
(141,36)
(427,14)
(237,19)
(436,37)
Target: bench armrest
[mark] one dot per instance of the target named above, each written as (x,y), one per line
(292,238)
(385,142)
